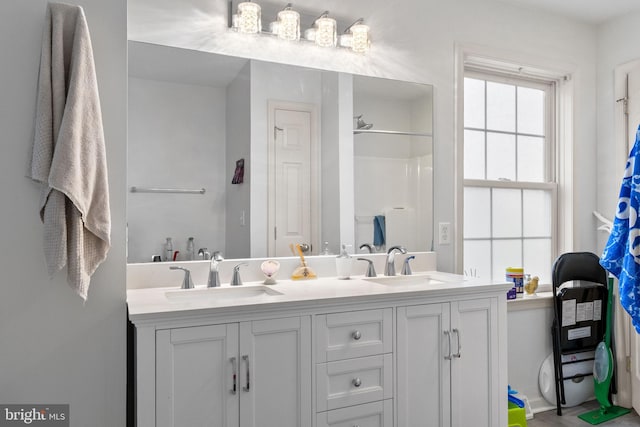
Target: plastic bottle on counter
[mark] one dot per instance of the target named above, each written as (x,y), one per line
(344,263)
(168,250)
(191,250)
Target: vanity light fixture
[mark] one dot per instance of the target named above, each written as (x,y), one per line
(288,24)
(326,30)
(249,18)
(356,36)
(322,31)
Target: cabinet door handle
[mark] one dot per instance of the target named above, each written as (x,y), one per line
(234,375)
(448,334)
(356,335)
(457,332)
(248,383)
(357,382)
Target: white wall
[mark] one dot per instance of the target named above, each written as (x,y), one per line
(177,139)
(238,203)
(54,348)
(616,46)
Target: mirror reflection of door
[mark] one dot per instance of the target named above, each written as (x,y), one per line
(292,169)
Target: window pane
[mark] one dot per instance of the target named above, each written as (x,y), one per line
(477,258)
(473,154)
(506,253)
(537,258)
(530,111)
(477,213)
(501,107)
(537,213)
(531,159)
(507,213)
(473,103)
(501,155)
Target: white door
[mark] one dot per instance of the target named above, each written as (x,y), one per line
(275,373)
(633,110)
(423,366)
(292,173)
(195,377)
(475,387)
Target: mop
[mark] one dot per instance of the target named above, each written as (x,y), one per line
(603,372)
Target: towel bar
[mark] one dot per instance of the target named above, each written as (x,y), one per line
(167,190)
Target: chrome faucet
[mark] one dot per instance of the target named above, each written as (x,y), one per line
(371,270)
(214,275)
(406,268)
(390,266)
(368,246)
(187,283)
(235,279)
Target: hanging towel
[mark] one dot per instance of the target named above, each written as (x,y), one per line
(621,255)
(69,158)
(378,230)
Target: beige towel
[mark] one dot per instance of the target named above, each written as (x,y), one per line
(69,157)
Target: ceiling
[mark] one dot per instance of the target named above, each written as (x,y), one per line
(591,11)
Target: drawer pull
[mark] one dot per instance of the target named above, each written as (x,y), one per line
(356,335)
(248,384)
(357,382)
(458,355)
(234,375)
(448,334)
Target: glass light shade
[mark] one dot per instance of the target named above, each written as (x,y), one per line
(289,25)
(360,42)
(326,32)
(249,18)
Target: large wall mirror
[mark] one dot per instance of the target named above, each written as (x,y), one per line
(249,157)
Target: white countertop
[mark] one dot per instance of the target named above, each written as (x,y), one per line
(148,303)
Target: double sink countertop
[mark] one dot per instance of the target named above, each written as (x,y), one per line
(162,302)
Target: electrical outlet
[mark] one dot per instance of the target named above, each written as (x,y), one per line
(444,233)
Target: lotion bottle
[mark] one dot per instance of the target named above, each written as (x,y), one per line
(344,263)
(168,250)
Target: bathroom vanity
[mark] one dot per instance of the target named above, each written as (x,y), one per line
(427,349)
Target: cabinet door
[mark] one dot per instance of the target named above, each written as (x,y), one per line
(195,376)
(423,372)
(275,373)
(474,373)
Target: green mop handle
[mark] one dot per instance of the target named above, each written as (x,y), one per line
(608,317)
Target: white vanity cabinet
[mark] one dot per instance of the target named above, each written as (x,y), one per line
(247,374)
(330,353)
(448,371)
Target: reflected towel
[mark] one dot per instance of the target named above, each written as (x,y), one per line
(621,256)
(69,158)
(378,230)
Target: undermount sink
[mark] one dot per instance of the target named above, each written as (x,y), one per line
(413,280)
(225,293)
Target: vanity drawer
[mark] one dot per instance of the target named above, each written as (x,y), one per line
(376,414)
(353,334)
(353,382)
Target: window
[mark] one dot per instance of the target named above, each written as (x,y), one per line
(509,175)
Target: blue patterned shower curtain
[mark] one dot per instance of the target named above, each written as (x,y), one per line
(621,256)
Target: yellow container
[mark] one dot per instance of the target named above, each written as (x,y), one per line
(517,416)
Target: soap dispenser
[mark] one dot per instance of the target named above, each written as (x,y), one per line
(344,262)
(168,250)
(191,251)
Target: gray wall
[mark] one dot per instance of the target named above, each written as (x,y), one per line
(54,348)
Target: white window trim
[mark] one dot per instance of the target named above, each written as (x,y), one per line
(519,63)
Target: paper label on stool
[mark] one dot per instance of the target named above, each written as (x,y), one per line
(597,310)
(584,312)
(568,312)
(577,333)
